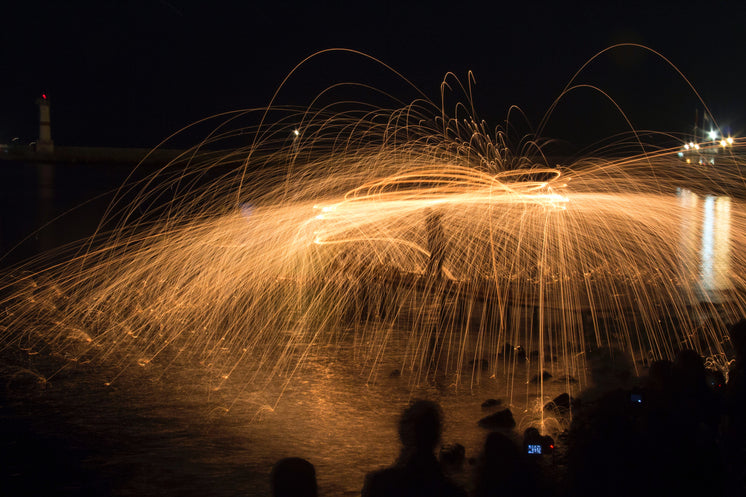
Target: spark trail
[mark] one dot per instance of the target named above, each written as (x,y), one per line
(247,262)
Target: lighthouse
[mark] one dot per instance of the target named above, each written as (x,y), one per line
(44,145)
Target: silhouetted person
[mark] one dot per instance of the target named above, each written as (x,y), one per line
(736,386)
(293,477)
(452,458)
(610,369)
(608,449)
(695,402)
(660,376)
(607,443)
(653,441)
(436,243)
(696,419)
(502,470)
(659,394)
(417,471)
(734,425)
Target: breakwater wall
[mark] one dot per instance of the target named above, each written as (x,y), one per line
(93,155)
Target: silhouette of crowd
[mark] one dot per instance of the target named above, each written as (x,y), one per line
(679,430)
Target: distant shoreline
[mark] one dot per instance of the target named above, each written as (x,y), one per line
(93,155)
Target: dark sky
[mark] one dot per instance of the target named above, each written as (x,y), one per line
(128,73)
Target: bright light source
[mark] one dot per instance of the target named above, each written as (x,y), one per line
(686,147)
(691,144)
(723,143)
(696,146)
(713,135)
(296,132)
(729,140)
(44,96)
(681,154)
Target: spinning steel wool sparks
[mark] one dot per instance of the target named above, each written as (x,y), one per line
(401,234)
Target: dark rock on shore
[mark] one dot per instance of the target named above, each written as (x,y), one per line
(491,403)
(480,364)
(560,405)
(566,378)
(499,420)
(511,352)
(545,375)
(534,356)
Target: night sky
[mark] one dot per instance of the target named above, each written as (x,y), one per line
(129,73)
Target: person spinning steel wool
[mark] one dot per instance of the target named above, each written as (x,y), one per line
(436,242)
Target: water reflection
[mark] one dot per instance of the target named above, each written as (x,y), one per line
(705,239)
(46,208)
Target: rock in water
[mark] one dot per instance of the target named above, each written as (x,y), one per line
(491,403)
(560,405)
(546,375)
(498,420)
(480,364)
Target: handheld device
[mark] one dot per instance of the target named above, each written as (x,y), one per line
(534,449)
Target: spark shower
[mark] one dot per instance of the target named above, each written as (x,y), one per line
(403,233)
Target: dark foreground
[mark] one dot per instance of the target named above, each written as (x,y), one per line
(74,436)
(675,431)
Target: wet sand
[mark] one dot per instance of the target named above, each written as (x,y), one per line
(165,433)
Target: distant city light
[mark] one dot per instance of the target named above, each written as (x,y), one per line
(296,132)
(729,140)
(713,134)
(44,96)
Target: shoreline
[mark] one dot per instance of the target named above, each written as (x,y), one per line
(91,155)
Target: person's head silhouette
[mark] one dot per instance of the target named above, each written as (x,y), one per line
(293,477)
(689,369)
(420,425)
(737,334)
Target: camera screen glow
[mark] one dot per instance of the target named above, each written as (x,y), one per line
(534,448)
